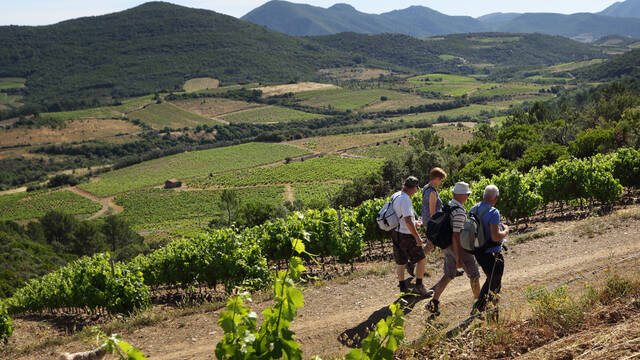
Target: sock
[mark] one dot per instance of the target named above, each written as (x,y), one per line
(418,282)
(435,301)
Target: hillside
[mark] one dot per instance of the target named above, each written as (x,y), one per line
(628,8)
(148,48)
(420,21)
(627,65)
(302,19)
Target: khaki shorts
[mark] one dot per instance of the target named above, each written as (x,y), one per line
(405,248)
(468,263)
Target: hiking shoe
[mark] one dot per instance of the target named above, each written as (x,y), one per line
(475,310)
(432,306)
(404,286)
(410,268)
(459,272)
(422,291)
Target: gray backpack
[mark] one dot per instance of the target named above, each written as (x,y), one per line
(472,236)
(387,218)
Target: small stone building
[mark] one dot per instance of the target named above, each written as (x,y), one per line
(172,184)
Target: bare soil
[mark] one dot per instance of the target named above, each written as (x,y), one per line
(337,313)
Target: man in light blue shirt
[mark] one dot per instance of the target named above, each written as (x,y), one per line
(490,258)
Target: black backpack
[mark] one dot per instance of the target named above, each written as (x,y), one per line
(439,229)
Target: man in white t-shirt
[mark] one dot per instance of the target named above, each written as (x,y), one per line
(407,242)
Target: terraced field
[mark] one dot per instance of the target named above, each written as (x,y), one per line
(269,114)
(109,130)
(314,170)
(344,99)
(164,115)
(188,165)
(33,205)
(327,144)
(153,209)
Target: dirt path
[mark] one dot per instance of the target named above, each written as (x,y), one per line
(289,194)
(337,311)
(108,205)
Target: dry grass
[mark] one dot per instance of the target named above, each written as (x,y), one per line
(354,73)
(201,84)
(595,226)
(326,144)
(212,107)
(294,88)
(403,101)
(74,131)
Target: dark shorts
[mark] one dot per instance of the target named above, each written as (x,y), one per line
(405,248)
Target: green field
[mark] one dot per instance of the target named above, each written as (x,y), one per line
(331,143)
(11,83)
(315,194)
(188,165)
(470,111)
(442,78)
(455,90)
(447,57)
(164,115)
(343,99)
(382,151)
(105,112)
(269,114)
(510,89)
(33,205)
(574,65)
(314,170)
(10,100)
(153,209)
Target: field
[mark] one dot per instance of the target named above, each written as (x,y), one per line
(316,194)
(11,83)
(468,111)
(7,100)
(327,144)
(153,209)
(314,170)
(74,131)
(400,101)
(454,89)
(105,112)
(188,165)
(166,114)
(447,57)
(201,84)
(510,90)
(354,73)
(574,65)
(446,84)
(33,205)
(269,114)
(455,135)
(294,88)
(212,107)
(343,99)
(382,151)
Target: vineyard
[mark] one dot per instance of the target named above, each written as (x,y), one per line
(188,165)
(269,114)
(348,99)
(327,144)
(168,209)
(106,112)
(159,116)
(30,206)
(314,170)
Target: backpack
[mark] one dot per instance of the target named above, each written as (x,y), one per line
(387,218)
(439,229)
(472,237)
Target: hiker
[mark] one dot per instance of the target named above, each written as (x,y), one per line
(490,258)
(431,203)
(407,242)
(454,257)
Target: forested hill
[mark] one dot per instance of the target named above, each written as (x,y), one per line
(494,48)
(157,46)
(151,47)
(627,65)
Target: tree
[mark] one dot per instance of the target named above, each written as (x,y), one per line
(426,140)
(229,202)
(124,242)
(59,228)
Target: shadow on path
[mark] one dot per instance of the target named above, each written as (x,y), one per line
(353,337)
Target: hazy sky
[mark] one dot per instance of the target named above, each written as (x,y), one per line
(42,12)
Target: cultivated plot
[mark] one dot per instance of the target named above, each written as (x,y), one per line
(190,164)
(12,83)
(168,115)
(213,107)
(105,112)
(33,205)
(269,114)
(201,84)
(327,144)
(345,99)
(294,88)
(314,170)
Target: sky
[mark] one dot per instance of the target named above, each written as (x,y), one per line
(45,12)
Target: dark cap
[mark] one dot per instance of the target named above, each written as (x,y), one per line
(411,182)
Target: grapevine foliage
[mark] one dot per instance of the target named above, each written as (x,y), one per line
(6,325)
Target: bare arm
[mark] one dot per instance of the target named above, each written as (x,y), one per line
(409,220)
(432,203)
(497,234)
